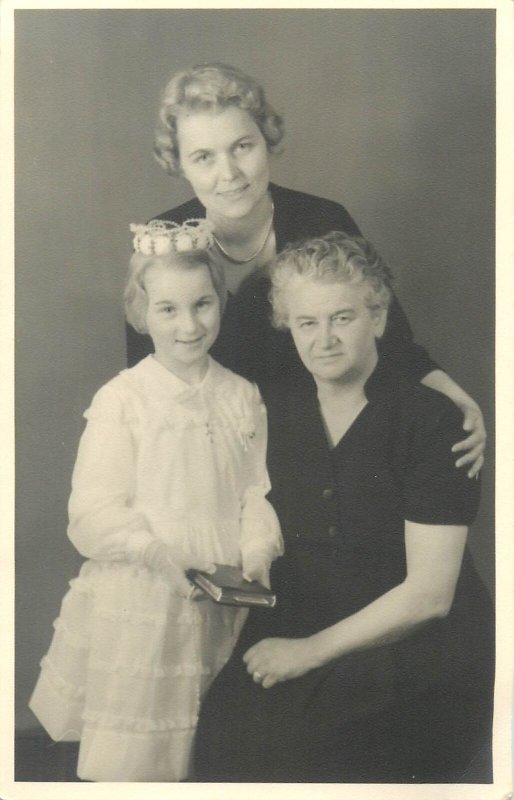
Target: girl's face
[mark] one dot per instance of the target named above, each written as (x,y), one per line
(224,157)
(183,318)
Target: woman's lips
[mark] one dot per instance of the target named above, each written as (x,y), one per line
(190,341)
(234,192)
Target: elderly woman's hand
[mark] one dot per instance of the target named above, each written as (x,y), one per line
(271,661)
(474,444)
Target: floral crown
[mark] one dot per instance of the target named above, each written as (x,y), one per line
(160,237)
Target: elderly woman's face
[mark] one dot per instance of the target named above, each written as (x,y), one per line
(334,331)
(224,157)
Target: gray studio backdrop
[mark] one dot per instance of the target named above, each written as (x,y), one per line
(390,112)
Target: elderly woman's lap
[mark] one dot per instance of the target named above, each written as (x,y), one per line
(342,723)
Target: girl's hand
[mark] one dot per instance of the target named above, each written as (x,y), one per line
(474,444)
(274,660)
(161,558)
(256,567)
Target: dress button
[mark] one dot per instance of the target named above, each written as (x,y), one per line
(327,493)
(333,531)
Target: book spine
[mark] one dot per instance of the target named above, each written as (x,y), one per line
(247,600)
(214,591)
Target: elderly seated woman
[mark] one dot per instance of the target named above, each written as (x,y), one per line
(376,664)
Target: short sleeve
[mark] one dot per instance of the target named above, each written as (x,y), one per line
(435,492)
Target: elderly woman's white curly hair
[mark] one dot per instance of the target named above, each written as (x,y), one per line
(332,258)
(211,87)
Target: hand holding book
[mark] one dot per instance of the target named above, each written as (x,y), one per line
(226,585)
(160,557)
(256,566)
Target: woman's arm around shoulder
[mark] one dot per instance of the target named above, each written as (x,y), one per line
(473,446)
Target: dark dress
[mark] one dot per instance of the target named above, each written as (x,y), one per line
(418,710)
(247,343)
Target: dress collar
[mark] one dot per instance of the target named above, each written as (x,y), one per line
(173,386)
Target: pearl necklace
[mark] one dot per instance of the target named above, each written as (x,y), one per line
(257,252)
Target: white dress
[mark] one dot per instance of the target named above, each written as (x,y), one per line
(130,660)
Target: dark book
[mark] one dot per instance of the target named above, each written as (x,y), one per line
(227,585)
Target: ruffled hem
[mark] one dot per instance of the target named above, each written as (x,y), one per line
(149,756)
(123,722)
(57,706)
(123,679)
(143,671)
(65,689)
(66,694)
(70,691)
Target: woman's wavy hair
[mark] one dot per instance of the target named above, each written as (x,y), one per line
(332,258)
(135,296)
(211,87)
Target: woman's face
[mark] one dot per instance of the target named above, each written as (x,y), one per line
(334,331)
(224,157)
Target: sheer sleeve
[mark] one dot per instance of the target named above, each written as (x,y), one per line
(102,522)
(260,528)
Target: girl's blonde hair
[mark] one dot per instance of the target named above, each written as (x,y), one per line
(135,295)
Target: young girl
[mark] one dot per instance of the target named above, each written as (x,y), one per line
(170,475)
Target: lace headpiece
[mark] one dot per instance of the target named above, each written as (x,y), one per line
(160,237)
